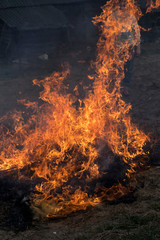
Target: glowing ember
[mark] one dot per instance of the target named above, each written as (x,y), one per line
(60,145)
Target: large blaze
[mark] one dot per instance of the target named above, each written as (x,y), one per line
(58,145)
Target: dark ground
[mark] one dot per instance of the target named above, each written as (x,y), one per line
(139,220)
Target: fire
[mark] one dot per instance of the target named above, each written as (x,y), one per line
(59,144)
(152,5)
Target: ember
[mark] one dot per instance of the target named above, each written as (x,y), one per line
(66,151)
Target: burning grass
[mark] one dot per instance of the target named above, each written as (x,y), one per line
(61,147)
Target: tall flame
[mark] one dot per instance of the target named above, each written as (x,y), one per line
(59,144)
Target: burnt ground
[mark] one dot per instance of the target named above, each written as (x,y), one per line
(139,219)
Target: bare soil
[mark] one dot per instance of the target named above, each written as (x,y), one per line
(138,220)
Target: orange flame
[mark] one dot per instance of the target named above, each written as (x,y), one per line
(152,5)
(59,144)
